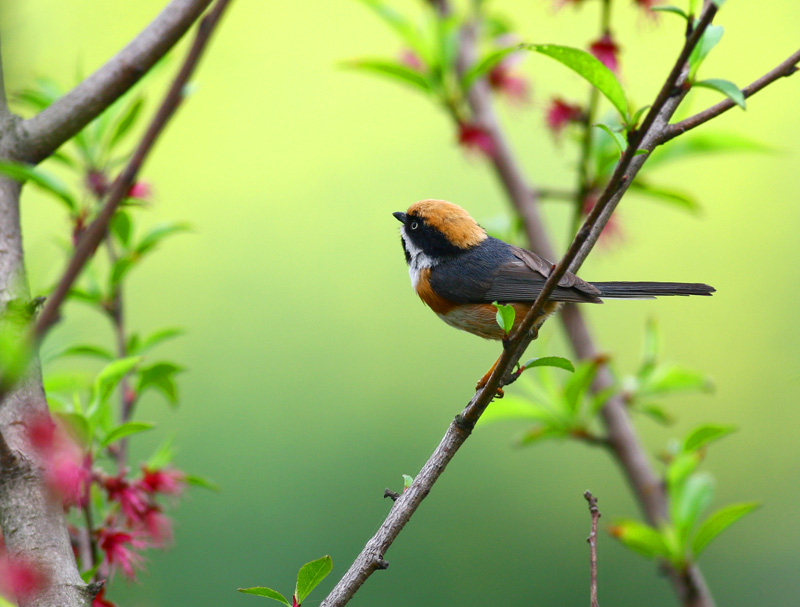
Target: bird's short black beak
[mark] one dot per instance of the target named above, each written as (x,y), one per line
(401,217)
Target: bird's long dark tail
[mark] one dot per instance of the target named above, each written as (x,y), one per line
(649,290)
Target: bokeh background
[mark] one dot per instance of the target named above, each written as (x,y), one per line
(316,378)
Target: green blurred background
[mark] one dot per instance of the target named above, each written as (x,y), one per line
(316,378)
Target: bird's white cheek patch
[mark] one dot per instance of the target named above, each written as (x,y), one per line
(419,261)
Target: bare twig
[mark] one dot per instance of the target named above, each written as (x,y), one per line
(592,539)
(96,231)
(41,135)
(785,69)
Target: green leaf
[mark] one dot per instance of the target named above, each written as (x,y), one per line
(505,316)
(112,374)
(47,182)
(125,430)
(121,227)
(162,456)
(718,522)
(674,197)
(703,435)
(680,468)
(578,384)
(670,9)
(448,35)
(618,139)
(120,269)
(550,361)
(640,538)
(407,480)
(84,350)
(657,413)
(126,121)
(634,121)
(77,425)
(670,379)
(708,41)
(200,481)
(590,68)
(515,407)
(404,28)
(395,71)
(157,234)
(693,498)
(726,87)
(484,66)
(158,337)
(160,376)
(310,575)
(265,592)
(706,143)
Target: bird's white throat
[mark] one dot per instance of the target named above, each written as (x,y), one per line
(418,260)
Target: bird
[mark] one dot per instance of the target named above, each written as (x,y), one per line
(460,272)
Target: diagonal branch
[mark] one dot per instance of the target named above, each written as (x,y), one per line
(784,70)
(43,134)
(95,233)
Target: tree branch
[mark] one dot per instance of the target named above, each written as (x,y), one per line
(784,70)
(96,231)
(592,539)
(41,135)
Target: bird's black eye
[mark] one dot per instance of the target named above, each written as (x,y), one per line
(414,225)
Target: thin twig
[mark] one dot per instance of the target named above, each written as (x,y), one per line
(592,539)
(41,135)
(96,231)
(785,69)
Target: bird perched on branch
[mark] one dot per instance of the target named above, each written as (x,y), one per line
(459,271)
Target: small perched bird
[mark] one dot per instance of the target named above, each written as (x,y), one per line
(459,271)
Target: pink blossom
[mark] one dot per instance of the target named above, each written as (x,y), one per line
(157,526)
(474,138)
(67,471)
(131,498)
(20,578)
(512,86)
(410,59)
(141,190)
(560,114)
(168,481)
(119,548)
(607,51)
(648,5)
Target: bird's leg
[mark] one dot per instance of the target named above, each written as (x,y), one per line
(483,380)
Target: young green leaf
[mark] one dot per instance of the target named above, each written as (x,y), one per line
(160,376)
(550,361)
(126,121)
(708,41)
(590,68)
(618,139)
(310,575)
(670,379)
(680,468)
(726,87)
(265,592)
(634,121)
(125,430)
(121,227)
(578,384)
(505,316)
(200,481)
(404,28)
(670,9)
(156,338)
(640,538)
(83,350)
(120,269)
(703,435)
(407,481)
(674,197)
(47,182)
(395,71)
(112,374)
(514,407)
(706,143)
(718,522)
(693,498)
(484,66)
(162,456)
(157,234)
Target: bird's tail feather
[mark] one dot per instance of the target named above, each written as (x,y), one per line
(649,290)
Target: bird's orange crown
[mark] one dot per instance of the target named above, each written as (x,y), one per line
(451,220)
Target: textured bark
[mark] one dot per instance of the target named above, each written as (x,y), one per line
(33,523)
